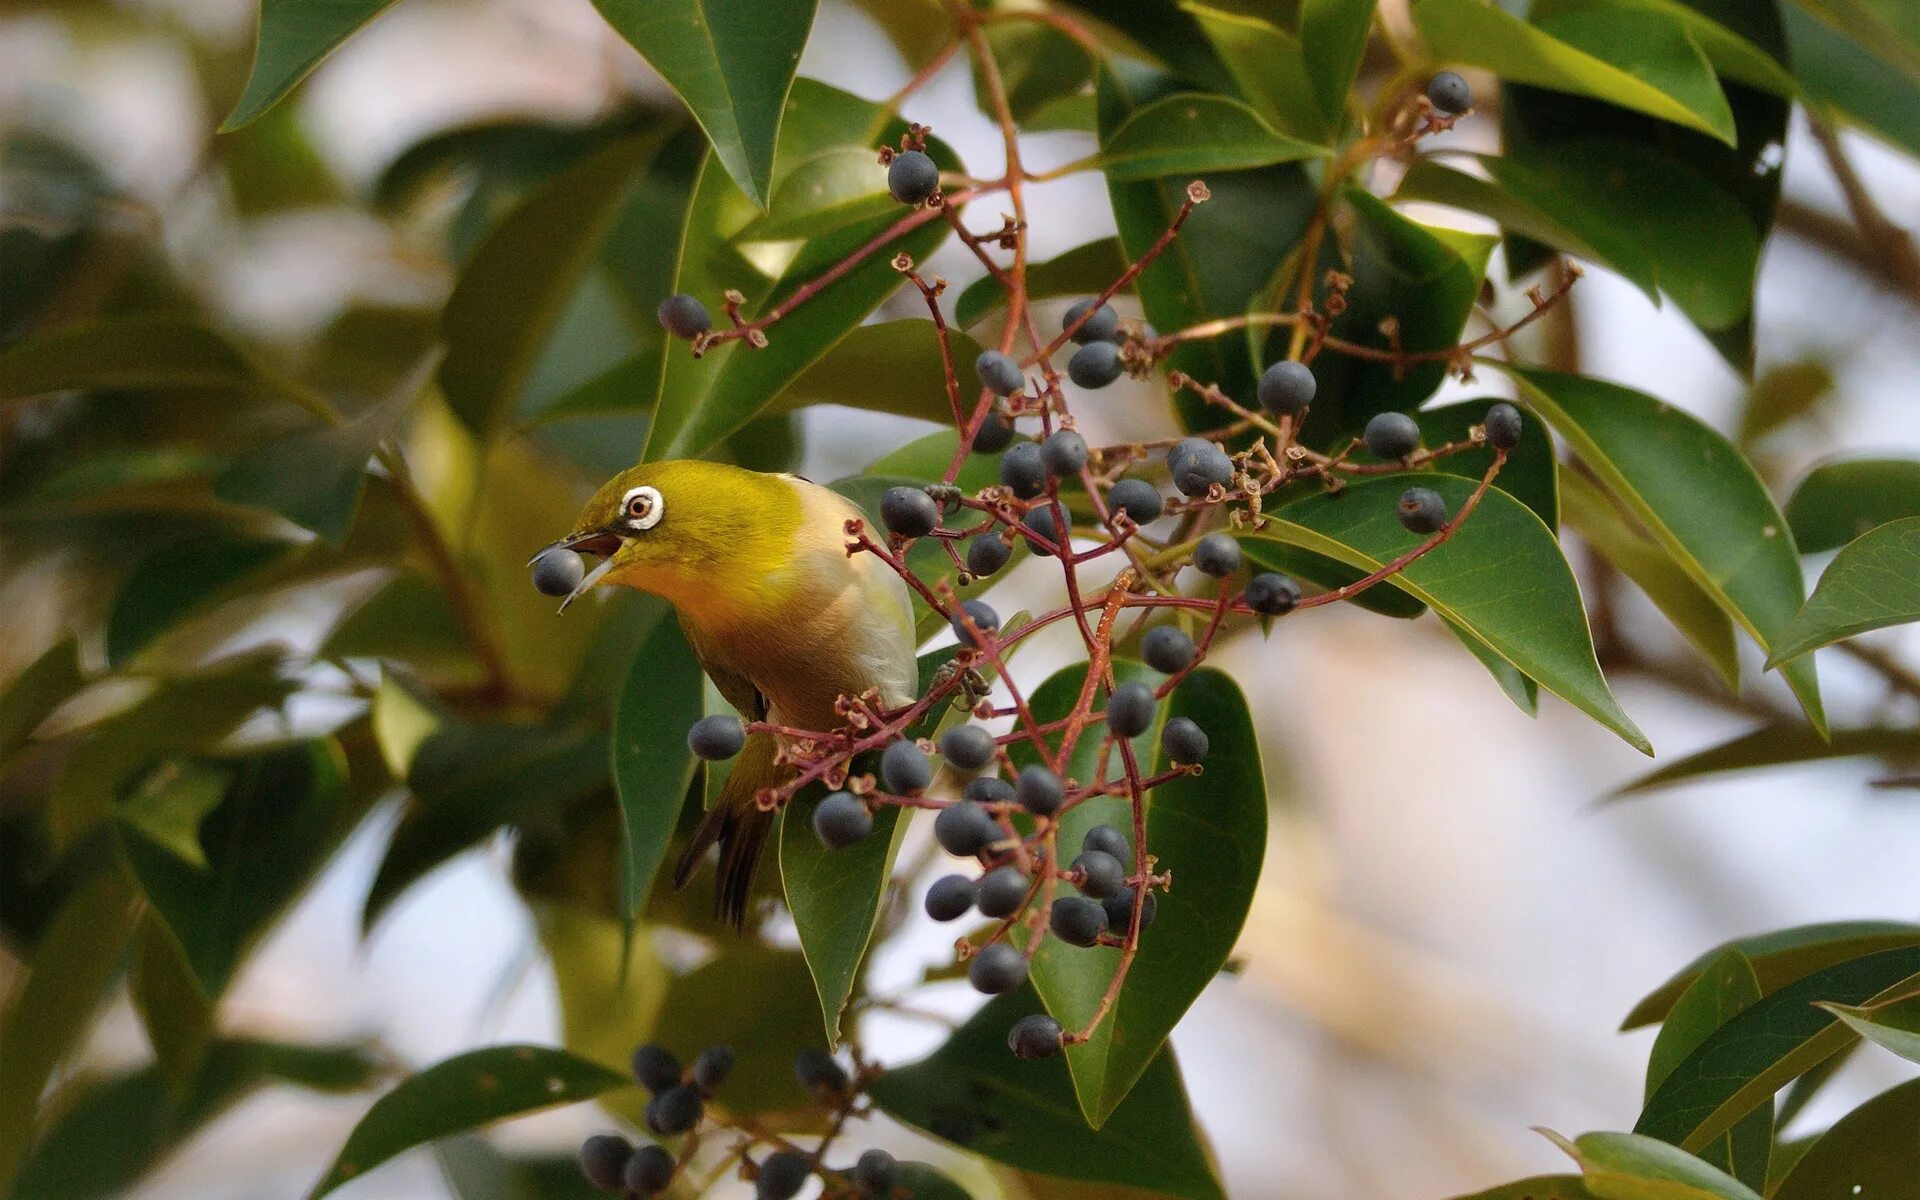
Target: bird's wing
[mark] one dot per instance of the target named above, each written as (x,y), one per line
(736,688)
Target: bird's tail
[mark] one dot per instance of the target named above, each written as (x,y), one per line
(739,826)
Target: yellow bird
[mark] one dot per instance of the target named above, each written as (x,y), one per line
(780,616)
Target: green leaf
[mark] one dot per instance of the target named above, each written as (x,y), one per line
(1333,36)
(177,1016)
(1269,66)
(923,1181)
(1727,986)
(1772,745)
(1650,63)
(1524,692)
(294,36)
(169,812)
(1839,501)
(1532,474)
(1853,78)
(1871,1148)
(834,896)
(314,478)
(1694,494)
(1738,58)
(759,1000)
(1193,133)
(1038,64)
(1691,609)
(33,695)
(1780,958)
(153,351)
(1501,550)
(732,62)
(1893,1026)
(177,580)
(1539,1187)
(889,367)
(1329,575)
(47,1016)
(463,1093)
(843,186)
(1086,269)
(975,1094)
(652,765)
(1210,831)
(1626,1166)
(1873,583)
(1743,1063)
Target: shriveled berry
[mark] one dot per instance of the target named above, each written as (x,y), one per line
(988,789)
(1184,741)
(1063,453)
(655,1068)
(1196,471)
(1077,921)
(817,1070)
(904,767)
(711,1068)
(1104,874)
(912,177)
(841,820)
(1001,892)
(603,1160)
(649,1171)
(965,829)
(909,511)
(1217,554)
(1422,510)
(950,897)
(1040,521)
(967,747)
(1450,93)
(1167,648)
(1036,1036)
(1108,840)
(1391,435)
(558,572)
(986,554)
(1286,388)
(981,614)
(1022,470)
(782,1174)
(1095,365)
(1272,594)
(675,1110)
(875,1172)
(1140,500)
(998,373)
(683,316)
(1119,908)
(994,434)
(1039,791)
(1102,326)
(1130,709)
(717,737)
(1503,426)
(998,968)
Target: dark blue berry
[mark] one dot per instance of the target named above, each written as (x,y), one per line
(711,1068)
(994,434)
(1040,521)
(655,1068)
(912,177)
(981,614)
(965,829)
(675,1110)
(1200,467)
(988,789)
(1450,93)
(909,511)
(1102,326)
(1218,555)
(1167,648)
(1272,594)
(1137,498)
(717,737)
(603,1160)
(1001,892)
(649,1171)
(1108,840)
(1503,426)
(1119,908)
(1286,388)
(997,968)
(950,897)
(1104,874)
(818,1071)
(683,316)
(1039,791)
(967,747)
(1422,510)
(1036,1036)
(986,554)
(1063,453)
(558,572)
(841,820)
(782,1174)
(874,1173)
(1077,921)
(1391,435)
(904,768)
(1095,365)
(1130,709)
(1022,470)
(1184,741)
(998,373)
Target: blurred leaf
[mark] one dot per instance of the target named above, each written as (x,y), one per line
(1794,1100)
(759,1000)
(918,29)
(974,1093)
(889,367)
(1781,957)
(1532,474)
(1539,1187)
(1682,601)
(1779,397)
(1743,1063)
(32,696)
(1853,77)
(1038,65)
(1192,133)
(177,1015)
(408,620)
(1086,269)
(1695,495)
(1734,53)
(1471,578)
(463,1093)
(1840,501)
(611,985)
(652,765)
(732,61)
(48,1014)
(1650,63)
(1870,1148)
(1627,1166)
(923,1181)
(1068,114)
(150,351)
(179,579)
(1210,831)
(1333,37)
(1893,1026)
(1872,583)
(1773,745)
(169,810)
(315,477)
(1890,24)
(273,166)
(1727,986)
(294,36)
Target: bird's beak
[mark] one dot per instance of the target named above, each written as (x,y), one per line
(598,541)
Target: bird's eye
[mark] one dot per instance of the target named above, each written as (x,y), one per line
(642,507)
(639,507)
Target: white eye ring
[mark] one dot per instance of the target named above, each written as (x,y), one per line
(642,507)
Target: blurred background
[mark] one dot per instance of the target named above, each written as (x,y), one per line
(1453,919)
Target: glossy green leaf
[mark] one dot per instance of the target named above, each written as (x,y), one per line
(835,897)
(1743,1063)
(1626,1166)
(1840,501)
(1192,133)
(1538,1187)
(1085,270)
(1269,66)
(1638,60)
(1210,831)
(842,186)
(974,1093)
(1867,1153)
(1519,688)
(314,478)
(294,36)
(1893,1026)
(177,580)
(32,696)
(1723,989)
(1695,495)
(1333,37)
(759,1000)
(464,1093)
(1501,550)
(732,61)
(1780,958)
(1774,745)
(1735,57)
(890,367)
(652,765)
(1872,583)
(1682,601)
(150,351)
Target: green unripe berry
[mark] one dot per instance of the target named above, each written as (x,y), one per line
(1391,435)
(998,373)
(1095,365)
(912,177)
(1036,1036)
(558,572)
(683,316)
(997,968)
(840,820)
(909,511)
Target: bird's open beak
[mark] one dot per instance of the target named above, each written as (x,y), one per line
(598,542)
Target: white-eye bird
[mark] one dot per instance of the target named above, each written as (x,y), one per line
(779,615)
